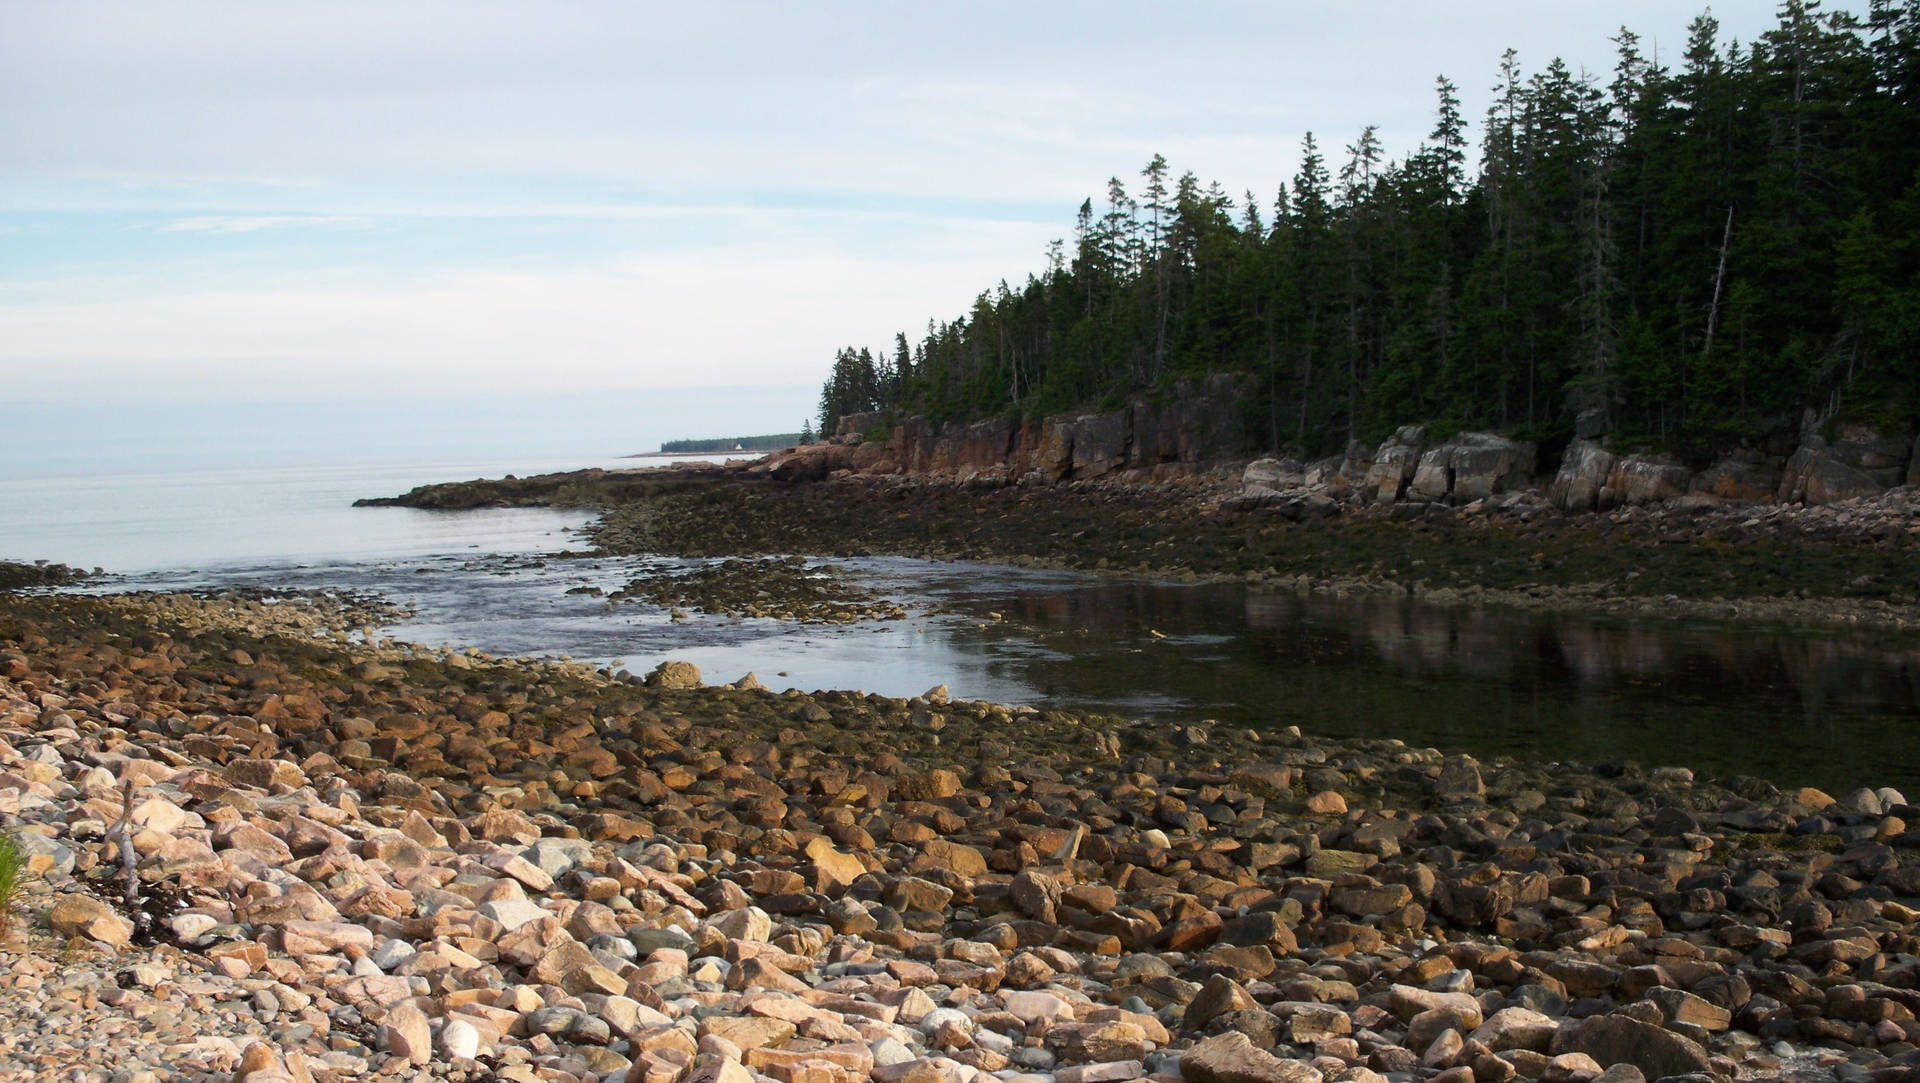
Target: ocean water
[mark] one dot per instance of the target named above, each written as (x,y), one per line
(236,517)
(206,486)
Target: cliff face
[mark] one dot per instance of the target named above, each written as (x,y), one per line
(1203,423)
(1850,462)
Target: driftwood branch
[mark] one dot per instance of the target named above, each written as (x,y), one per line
(121,835)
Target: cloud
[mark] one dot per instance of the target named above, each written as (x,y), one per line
(253,223)
(1042,98)
(771,311)
(605,193)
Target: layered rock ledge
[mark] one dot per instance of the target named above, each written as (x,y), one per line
(349,861)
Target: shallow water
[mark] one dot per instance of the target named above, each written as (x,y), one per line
(1833,710)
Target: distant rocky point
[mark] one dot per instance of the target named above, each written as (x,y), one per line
(15,575)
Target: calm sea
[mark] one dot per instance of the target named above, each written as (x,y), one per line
(199,487)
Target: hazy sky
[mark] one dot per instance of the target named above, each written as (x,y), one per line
(267,200)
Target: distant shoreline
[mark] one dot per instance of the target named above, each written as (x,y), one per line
(736,453)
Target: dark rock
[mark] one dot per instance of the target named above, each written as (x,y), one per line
(1746,476)
(1614,1039)
(1218,996)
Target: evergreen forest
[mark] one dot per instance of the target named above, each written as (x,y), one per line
(1689,254)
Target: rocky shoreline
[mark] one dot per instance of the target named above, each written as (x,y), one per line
(1853,562)
(368,860)
(18,575)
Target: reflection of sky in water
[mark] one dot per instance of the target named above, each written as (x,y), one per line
(1831,710)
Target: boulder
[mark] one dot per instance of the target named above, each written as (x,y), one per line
(810,462)
(1517,1028)
(1394,463)
(1349,471)
(1233,1058)
(1644,479)
(878,456)
(408,1035)
(1473,466)
(1582,475)
(1484,463)
(85,915)
(1273,474)
(1219,996)
(1856,461)
(1881,456)
(1617,1039)
(1293,505)
(1818,476)
(674,675)
(1745,476)
(460,1040)
(1432,476)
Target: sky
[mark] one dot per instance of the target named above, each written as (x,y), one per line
(212,202)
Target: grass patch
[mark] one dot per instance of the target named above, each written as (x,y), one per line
(12,862)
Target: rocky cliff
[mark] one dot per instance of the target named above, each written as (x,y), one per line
(1848,462)
(1203,425)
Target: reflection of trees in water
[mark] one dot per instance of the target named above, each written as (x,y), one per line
(1678,661)
(1820,709)
(1126,608)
